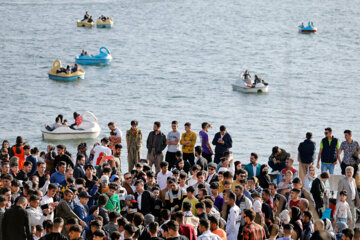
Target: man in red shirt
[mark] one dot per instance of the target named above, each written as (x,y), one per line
(185,229)
(289,166)
(294,195)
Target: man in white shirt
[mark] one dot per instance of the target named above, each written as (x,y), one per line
(36,215)
(48,199)
(233,220)
(163,175)
(172,140)
(101,149)
(117,138)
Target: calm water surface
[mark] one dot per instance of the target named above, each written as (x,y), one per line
(177,60)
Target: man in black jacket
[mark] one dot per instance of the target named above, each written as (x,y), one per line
(306,155)
(156,143)
(62,156)
(223,142)
(145,199)
(16,222)
(79,171)
(318,191)
(199,159)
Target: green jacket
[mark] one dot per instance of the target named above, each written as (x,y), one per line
(114,203)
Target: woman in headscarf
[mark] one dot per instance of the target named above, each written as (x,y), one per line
(309,178)
(264,178)
(295,220)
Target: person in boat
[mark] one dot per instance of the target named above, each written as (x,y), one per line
(68,70)
(61,70)
(246,75)
(82,53)
(86,16)
(302,25)
(257,79)
(78,120)
(103,18)
(90,20)
(57,123)
(75,68)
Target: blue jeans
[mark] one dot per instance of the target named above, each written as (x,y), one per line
(327,167)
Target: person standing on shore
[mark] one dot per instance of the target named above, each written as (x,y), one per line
(156,143)
(329,152)
(223,142)
(188,140)
(134,142)
(207,151)
(349,146)
(173,139)
(306,155)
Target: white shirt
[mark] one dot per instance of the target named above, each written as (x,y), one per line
(192,181)
(138,200)
(352,186)
(233,223)
(207,235)
(47,200)
(342,210)
(36,216)
(118,133)
(99,149)
(162,178)
(254,170)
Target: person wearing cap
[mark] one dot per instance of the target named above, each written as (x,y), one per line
(172,140)
(155,143)
(101,150)
(130,205)
(144,198)
(212,176)
(114,202)
(63,157)
(82,210)
(188,140)
(133,142)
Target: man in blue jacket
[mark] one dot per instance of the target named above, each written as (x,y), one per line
(223,142)
(82,210)
(253,168)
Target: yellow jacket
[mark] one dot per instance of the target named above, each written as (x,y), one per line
(188,137)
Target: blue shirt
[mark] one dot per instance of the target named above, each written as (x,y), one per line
(56,177)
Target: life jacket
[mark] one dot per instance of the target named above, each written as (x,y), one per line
(20,155)
(78,120)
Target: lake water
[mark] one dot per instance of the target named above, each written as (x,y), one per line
(176,60)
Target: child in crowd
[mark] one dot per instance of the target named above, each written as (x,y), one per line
(342,213)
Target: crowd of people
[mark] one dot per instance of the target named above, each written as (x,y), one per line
(194,192)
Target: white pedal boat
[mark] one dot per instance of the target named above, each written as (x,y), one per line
(247,86)
(89,128)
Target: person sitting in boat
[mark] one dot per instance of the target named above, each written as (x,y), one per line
(56,124)
(257,79)
(61,70)
(86,16)
(90,20)
(103,18)
(82,53)
(75,68)
(68,70)
(78,120)
(302,25)
(246,75)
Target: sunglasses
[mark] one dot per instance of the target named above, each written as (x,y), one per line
(212,169)
(127,178)
(326,133)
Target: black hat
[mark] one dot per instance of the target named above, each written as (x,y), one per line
(84,194)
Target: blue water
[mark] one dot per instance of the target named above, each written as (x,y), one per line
(177,60)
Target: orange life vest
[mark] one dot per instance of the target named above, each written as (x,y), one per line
(21,156)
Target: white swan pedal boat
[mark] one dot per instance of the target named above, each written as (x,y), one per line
(89,128)
(247,86)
